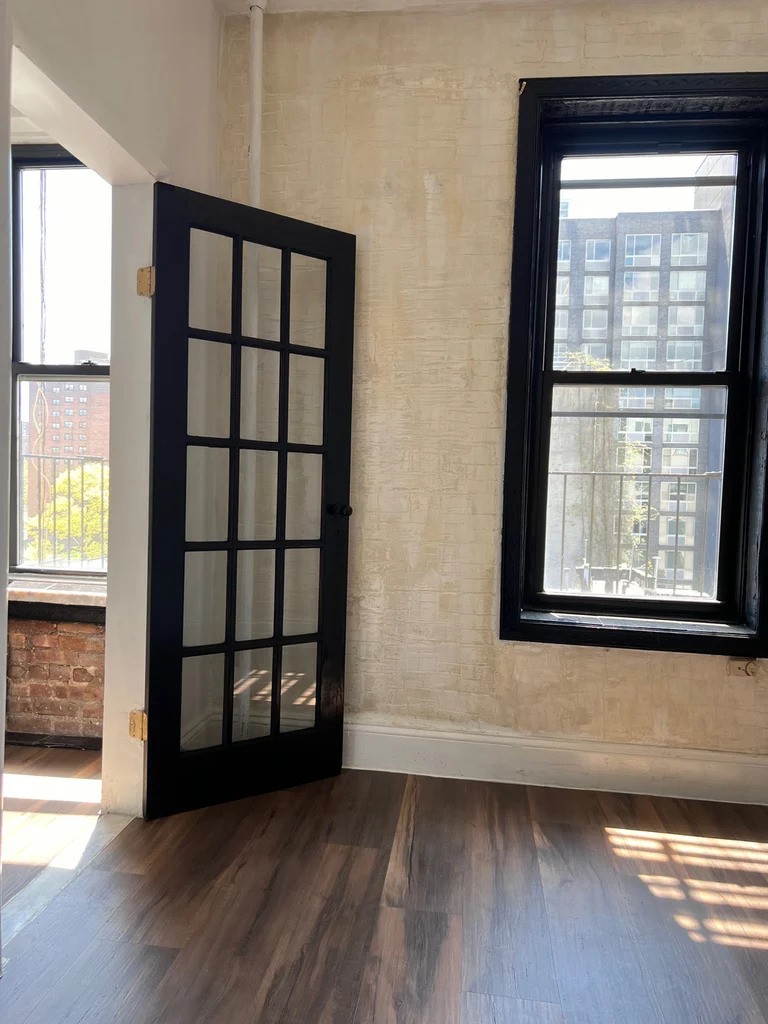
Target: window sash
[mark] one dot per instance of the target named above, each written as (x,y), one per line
(66,374)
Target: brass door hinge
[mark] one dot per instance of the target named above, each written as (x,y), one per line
(137,725)
(145,282)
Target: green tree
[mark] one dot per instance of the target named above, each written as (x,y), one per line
(74,522)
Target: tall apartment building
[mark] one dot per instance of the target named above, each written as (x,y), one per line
(638,291)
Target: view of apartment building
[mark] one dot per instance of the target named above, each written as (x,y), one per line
(640,291)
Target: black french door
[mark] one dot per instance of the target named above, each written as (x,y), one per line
(251,409)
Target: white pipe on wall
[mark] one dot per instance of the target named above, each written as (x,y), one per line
(256,81)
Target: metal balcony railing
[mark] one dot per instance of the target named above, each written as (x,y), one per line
(635,555)
(63,514)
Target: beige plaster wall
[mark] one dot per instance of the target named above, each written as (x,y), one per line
(401,128)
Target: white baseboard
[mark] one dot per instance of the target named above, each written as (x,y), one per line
(564,763)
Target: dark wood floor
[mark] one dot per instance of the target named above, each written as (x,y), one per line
(381,899)
(36,830)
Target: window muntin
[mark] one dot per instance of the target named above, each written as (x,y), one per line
(689,249)
(643,250)
(596,289)
(641,286)
(61,493)
(687,286)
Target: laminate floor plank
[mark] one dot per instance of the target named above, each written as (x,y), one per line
(40,956)
(507,948)
(483,1009)
(601,978)
(413,974)
(432,845)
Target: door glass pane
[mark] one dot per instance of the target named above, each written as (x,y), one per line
(208,388)
(258,495)
(210,281)
(261,291)
(252,705)
(302,591)
(638,235)
(307,301)
(202,692)
(635,478)
(205,589)
(255,594)
(305,400)
(260,394)
(66,228)
(304,496)
(298,687)
(207,493)
(63,474)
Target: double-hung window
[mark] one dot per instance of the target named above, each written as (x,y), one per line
(61,350)
(635,484)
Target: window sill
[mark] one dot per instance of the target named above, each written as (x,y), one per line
(635,633)
(42,597)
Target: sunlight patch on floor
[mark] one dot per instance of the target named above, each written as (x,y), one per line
(744,923)
(51,787)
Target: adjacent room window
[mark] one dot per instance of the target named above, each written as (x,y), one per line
(635,473)
(61,349)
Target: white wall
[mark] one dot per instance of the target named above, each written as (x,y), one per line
(129,88)
(5,340)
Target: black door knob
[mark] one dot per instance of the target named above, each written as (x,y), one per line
(340,510)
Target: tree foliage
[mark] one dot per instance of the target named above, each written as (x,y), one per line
(74,522)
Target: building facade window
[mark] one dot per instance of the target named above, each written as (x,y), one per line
(61,342)
(643,251)
(598,253)
(641,286)
(690,249)
(633,428)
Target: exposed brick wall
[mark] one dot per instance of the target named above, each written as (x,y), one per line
(55,678)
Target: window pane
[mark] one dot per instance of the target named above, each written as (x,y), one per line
(627,483)
(629,245)
(252,699)
(66,239)
(63,477)
(679,165)
(202,700)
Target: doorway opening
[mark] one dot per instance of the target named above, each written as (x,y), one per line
(59,516)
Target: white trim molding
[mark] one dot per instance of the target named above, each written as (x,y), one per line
(563,763)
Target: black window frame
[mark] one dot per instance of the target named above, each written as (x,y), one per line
(24,157)
(662,114)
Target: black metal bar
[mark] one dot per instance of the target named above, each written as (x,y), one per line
(642,378)
(261,446)
(233,518)
(282,484)
(249,645)
(249,545)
